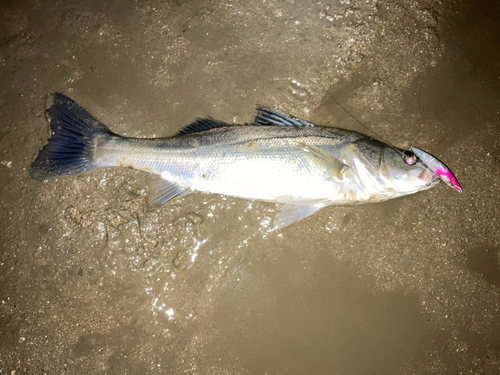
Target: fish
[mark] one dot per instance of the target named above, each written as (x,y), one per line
(441,170)
(276,158)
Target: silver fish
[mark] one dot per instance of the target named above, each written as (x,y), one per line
(276,159)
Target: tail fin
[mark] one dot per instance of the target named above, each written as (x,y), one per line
(70,149)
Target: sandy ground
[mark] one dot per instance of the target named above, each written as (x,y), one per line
(95,281)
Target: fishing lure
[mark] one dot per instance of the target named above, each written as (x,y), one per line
(441,170)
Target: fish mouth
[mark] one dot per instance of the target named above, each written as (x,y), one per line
(429,177)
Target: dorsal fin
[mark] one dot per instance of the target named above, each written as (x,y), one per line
(266,116)
(202,124)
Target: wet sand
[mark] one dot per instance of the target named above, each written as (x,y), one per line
(95,280)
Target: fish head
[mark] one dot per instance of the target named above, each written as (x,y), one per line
(403,176)
(384,173)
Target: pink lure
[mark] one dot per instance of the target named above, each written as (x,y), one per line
(441,170)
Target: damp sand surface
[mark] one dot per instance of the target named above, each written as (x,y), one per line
(95,280)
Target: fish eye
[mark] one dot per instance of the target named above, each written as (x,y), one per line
(410,157)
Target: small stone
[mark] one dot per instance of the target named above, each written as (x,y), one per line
(194,218)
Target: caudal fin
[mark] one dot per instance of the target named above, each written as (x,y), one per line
(70,149)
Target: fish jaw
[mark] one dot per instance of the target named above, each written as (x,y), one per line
(441,170)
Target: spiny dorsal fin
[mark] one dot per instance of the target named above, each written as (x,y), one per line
(266,116)
(202,124)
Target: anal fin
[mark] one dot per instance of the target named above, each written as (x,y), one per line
(164,191)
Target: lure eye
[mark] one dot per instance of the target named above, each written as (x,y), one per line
(410,158)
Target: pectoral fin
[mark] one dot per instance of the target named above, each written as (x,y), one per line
(367,154)
(290,213)
(164,191)
(333,167)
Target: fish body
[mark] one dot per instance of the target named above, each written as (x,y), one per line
(269,163)
(277,159)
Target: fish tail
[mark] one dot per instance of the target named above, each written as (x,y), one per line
(70,150)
